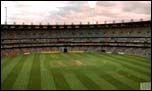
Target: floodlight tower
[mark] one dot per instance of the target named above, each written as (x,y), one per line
(6,15)
(92,5)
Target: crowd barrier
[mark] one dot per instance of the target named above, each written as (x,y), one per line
(49,52)
(12,54)
(75,51)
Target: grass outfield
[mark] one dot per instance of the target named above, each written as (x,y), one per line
(86,71)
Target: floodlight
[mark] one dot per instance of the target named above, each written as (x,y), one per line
(92,4)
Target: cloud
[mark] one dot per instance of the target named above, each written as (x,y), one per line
(73,11)
(137,7)
(106,3)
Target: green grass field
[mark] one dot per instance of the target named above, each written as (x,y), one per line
(86,71)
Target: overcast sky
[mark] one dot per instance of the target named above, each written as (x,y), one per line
(73,11)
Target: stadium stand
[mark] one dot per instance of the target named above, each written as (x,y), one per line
(132,38)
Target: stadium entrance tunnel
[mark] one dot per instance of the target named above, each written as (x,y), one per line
(103,50)
(65,50)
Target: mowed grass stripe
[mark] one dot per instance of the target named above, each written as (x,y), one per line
(131,76)
(146,61)
(69,76)
(140,58)
(133,72)
(35,74)
(103,64)
(126,81)
(60,82)
(105,85)
(68,57)
(126,64)
(12,76)
(134,61)
(73,81)
(120,85)
(6,61)
(132,66)
(50,77)
(47,81)
(98,63)
(8,68)
(87,82)
(108,82)
(94,58)
(138,75)
(23,78)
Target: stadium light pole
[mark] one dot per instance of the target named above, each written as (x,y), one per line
(6,15)
(92,5)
